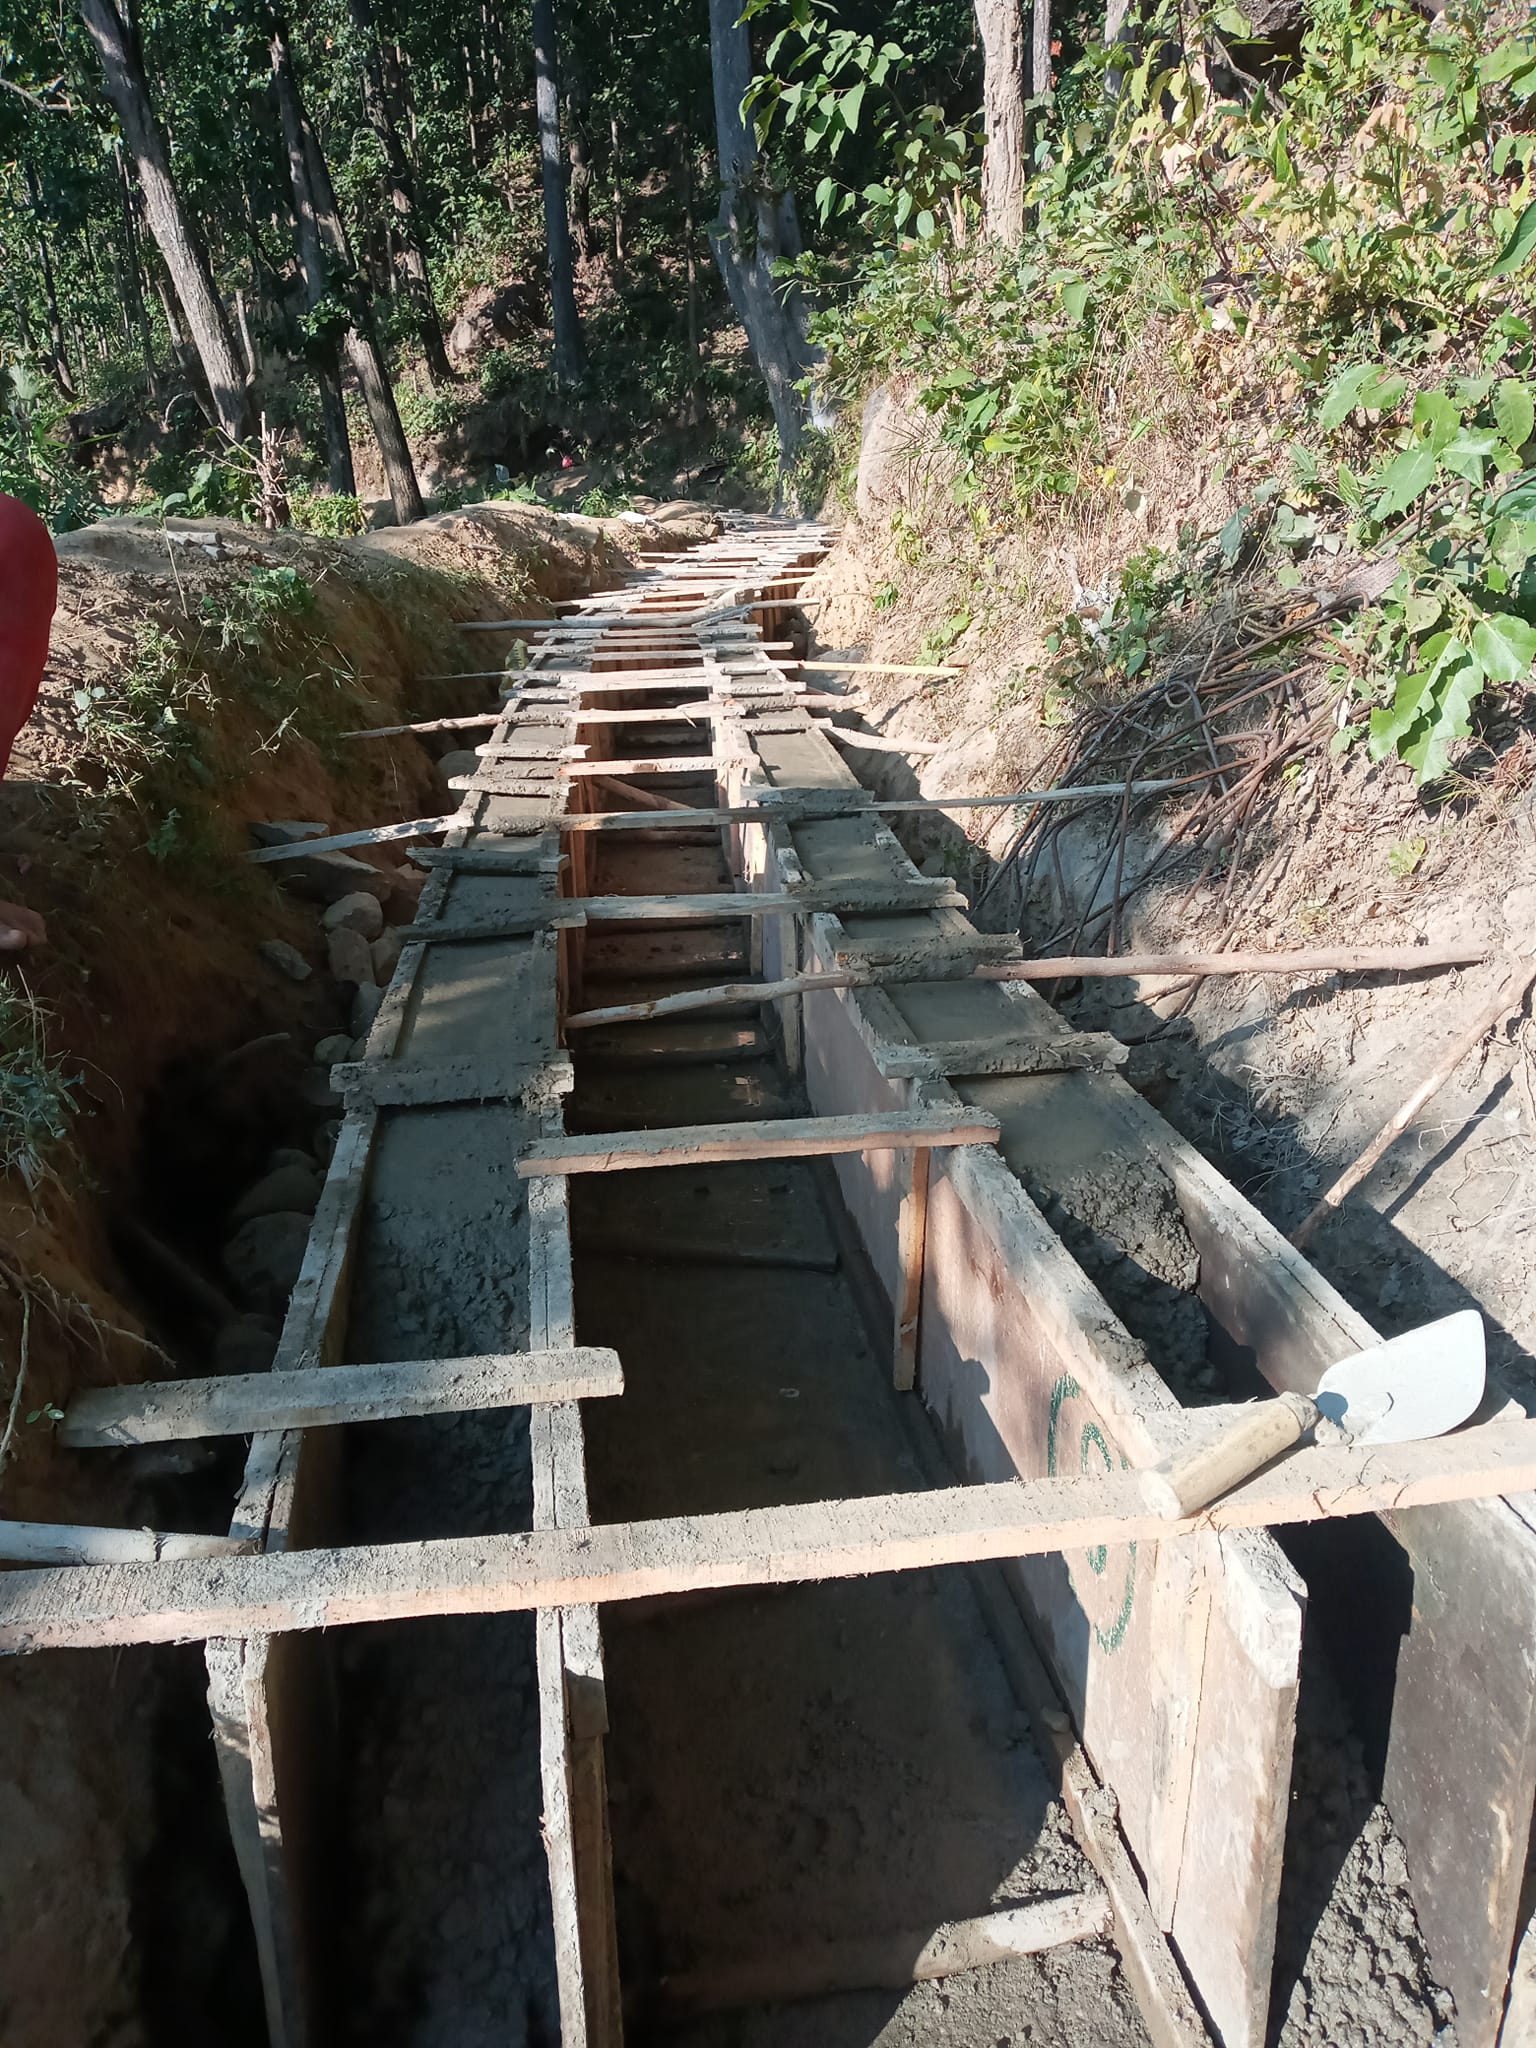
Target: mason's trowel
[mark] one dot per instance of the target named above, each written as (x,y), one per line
(1418,1385)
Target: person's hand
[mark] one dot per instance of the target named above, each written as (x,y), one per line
(20,928)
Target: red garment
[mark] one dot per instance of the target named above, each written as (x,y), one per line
(29,590)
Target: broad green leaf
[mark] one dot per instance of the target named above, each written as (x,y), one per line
(1514,60)
(926,225)
(1513,544)
(1434,411)
(1421,611)
(1505,645)
(1230,539)
(1404,480)
(1466,455)
(1519,501)
(1520,246)
(1074,299)
(1349,487)
(851,102)
(1395,721)
(1514,411)
(1344,394)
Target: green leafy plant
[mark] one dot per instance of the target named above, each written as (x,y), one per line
(329,514)
(598,503)
(37,1094)
(245,613)
(940,639)
(148,717)
(821,84)
(1405,857)
(1452,496)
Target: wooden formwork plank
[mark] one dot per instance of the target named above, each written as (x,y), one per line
(911,1249)
(573,1713)
(1462,1808)
(1055,1517)
(242,1404)
(780,1138)
(1169,2012)
(270,1698)
(1163,1650)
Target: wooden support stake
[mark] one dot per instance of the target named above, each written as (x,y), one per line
(64,1543)
(1345,960)
(911,1243)
(644,799)
(373,835)
(880,668)
(881,1962)
(1510,997)
(389,732)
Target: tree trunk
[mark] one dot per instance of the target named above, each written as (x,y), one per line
(1040,50)
(416,282)
(133,282)
(695,406)
(581,191)
(171,225)
(58,348)
(755,227)
(471,117)
(615,196)
(315,272)
(1003,169)
(362,341)
(570,355)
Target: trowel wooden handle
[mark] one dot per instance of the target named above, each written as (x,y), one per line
(1182,1486)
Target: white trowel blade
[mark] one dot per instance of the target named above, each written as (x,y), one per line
(1420,1384)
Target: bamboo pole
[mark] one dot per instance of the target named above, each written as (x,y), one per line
(1510,997)
(1343,960)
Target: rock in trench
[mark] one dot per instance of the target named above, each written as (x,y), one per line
(365,1007)
(286,831)
(360,912)
(264,1256)
(348,956)
(385,952)
(326,877)
(285,958)
(247,1345)
(289,1189)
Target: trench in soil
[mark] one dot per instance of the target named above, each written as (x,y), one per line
(785,1765)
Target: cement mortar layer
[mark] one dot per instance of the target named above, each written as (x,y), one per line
(449,1942)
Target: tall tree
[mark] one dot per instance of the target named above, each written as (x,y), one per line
(131,268)
(1003,167)
(570,352)
(170,223)
(756,226)
(315,272)
(58,349)
(415,277)
(1040,50)
(362,342)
